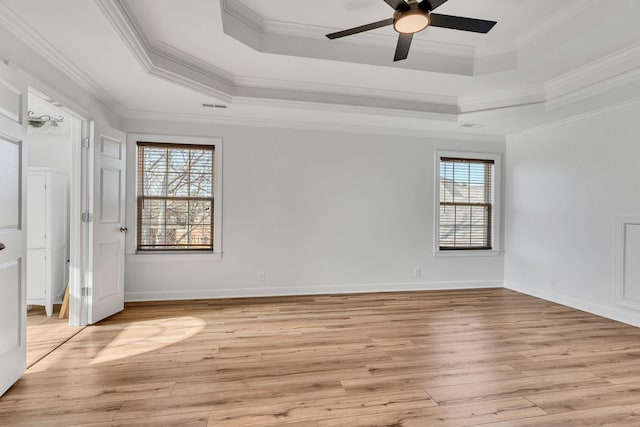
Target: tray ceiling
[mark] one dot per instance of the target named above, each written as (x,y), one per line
(145,57)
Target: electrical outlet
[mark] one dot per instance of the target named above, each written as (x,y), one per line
(417,272)
(261,276)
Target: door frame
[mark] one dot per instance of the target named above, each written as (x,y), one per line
(79,190)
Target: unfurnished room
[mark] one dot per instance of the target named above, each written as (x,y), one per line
(350,213)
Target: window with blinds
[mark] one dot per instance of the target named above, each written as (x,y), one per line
(466,204)
(175,197)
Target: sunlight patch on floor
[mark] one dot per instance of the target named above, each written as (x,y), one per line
(145,336)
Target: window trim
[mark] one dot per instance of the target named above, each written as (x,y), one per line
(132,200)
(496,221)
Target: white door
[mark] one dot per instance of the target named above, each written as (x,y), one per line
(109,229)
(13,239)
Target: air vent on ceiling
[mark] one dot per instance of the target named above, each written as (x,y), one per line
(214,106)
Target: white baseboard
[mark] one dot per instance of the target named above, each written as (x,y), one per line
(612,313)
(177,295)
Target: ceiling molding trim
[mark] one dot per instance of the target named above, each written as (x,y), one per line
(387,113)
(611,92)
(500,99)
(598,112)
(597,76)
(50,53)
(118,17)
(246,15)
(256,22)
(346,90)
(374,39)
(172,69)
(167,63)
(421,129)
(601,70)
(270,36)
(628,82)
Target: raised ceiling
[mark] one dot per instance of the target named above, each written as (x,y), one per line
(263,60)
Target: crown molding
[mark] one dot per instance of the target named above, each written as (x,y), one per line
(607,96)
(272,36)
(341,109)
(596,77)
(506,98)
(567,121)
(382,125)
(29,36)
(601,70)
(163,61)
(166,62)
(256,22)
(438,102)
(163,64)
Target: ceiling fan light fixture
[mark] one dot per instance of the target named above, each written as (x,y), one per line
(411,21)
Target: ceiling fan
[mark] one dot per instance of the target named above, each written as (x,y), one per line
(411,17)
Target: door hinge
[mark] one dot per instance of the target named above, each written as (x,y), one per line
(85,142)
(85,292)
(86,217)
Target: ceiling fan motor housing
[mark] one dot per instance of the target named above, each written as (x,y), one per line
(412,19)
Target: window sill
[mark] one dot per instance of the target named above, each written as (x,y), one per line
(174,257)
(463,253)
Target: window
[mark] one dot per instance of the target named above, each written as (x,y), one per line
(466,214)
(175,197)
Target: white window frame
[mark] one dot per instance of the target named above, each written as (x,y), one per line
(496,220)
(132,197)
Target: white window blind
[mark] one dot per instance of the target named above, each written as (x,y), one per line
(175,197)
(466,204)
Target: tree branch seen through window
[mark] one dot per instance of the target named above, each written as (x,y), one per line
(175,197)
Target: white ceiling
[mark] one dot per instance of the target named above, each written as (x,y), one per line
(269,60)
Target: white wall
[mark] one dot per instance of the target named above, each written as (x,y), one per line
(51,146)
(565,187)
(317,212)
(44,77)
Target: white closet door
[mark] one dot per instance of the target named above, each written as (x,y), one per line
(13,241)
(107,293)
(36,212)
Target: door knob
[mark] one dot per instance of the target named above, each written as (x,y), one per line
(124,229)
(2,246)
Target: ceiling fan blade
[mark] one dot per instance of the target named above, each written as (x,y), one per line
(360,29)
(460,23)
(402,50)
(431,4)
(397,4)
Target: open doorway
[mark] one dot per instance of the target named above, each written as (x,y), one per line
(54,195)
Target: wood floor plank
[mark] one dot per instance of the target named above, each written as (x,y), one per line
(614,416)
(441,416)
(441,358)
(44,333)
(428,379)
(362,405)
(191,419)
(488,390)
(59,415)
(588,398)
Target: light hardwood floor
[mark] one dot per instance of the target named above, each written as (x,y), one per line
(45,334)
(451,358)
